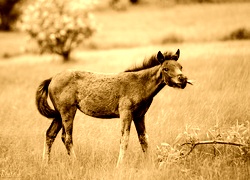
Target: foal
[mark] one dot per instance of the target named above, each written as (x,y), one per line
(126,95)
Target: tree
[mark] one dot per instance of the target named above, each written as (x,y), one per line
(58,26)
(121,4)
(8,13)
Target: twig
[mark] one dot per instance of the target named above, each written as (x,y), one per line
(193,145)
(214,142)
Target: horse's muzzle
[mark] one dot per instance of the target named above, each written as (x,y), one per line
(183,81)
(180,81)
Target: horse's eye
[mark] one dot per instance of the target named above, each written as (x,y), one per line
(165,69)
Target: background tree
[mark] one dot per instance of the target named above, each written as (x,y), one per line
(9,13)
(121,4)
(58,26)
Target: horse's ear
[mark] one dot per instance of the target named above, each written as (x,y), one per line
(177,54)
(160,57)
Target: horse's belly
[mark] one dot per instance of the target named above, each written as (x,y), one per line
(99,109)
(98,95)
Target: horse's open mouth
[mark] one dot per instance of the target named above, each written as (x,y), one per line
(178,85)
(181,85)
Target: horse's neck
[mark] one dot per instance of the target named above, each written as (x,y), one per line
(153,80)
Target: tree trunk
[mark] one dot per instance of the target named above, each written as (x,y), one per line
(4,22)
(66,56)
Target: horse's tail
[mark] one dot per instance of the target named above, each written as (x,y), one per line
(42,103)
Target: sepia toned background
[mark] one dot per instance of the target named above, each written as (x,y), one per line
(213,38)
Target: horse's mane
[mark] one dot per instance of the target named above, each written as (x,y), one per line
(149,62)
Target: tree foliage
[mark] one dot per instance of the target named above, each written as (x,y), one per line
(58,26)
(8,13)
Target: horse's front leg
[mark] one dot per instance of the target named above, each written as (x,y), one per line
(141,131)
(126,119)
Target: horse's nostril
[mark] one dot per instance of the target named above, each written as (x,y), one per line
(182,78)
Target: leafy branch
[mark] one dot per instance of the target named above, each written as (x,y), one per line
(236,136)
(193,145)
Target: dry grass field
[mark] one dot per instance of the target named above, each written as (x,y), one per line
(220,96)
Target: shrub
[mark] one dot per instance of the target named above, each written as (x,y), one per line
(171,38)
(58,26)
(238,34)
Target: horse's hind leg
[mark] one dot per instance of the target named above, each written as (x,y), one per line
(67,123)
(63,135)
(51,134)
(141,131)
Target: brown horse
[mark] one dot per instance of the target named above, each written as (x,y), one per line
(126,95)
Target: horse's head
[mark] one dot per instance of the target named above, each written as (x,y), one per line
(171,70)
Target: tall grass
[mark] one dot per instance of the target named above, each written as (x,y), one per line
(220,96)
